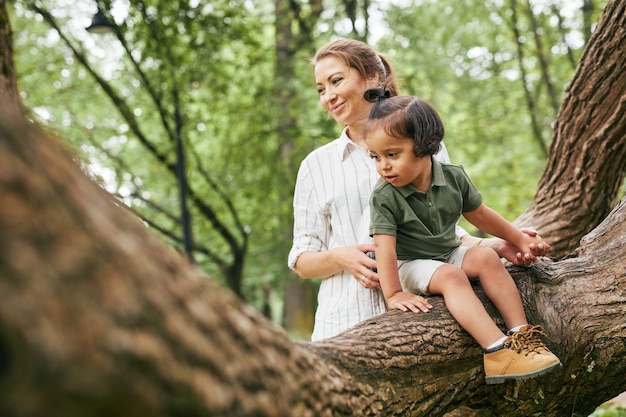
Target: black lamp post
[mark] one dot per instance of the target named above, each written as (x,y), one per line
(102,24)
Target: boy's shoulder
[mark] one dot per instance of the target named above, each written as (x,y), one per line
(454,169)
(447,165)
(381,186)
(384,192)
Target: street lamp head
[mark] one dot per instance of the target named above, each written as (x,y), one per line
(100,23)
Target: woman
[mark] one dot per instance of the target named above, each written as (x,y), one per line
(333,187)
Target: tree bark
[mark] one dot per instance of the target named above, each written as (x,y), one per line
(98,317)
(8,78)
(587,159)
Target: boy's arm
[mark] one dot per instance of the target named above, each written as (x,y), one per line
(491,222)
(387,265)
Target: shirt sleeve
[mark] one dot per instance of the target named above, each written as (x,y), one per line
(471,196)
(310,226)
(382,217)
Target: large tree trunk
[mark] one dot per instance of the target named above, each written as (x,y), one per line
(98,317)
(587,160)
(8,79)
(299,300)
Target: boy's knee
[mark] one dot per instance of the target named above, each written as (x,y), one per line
(451,274)
(486,255)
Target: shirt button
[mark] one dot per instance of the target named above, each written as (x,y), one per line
(430,204)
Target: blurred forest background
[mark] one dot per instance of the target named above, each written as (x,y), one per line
(196,114)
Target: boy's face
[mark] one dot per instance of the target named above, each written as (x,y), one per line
(395,160)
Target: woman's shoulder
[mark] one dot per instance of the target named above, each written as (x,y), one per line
(327,152)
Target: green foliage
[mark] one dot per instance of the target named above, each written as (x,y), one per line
(609,412)
(216,63)
(204,61)
(463,59)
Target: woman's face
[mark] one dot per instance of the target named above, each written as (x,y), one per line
(341,91)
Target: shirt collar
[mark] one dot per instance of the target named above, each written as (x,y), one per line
(345,145)
(438,180)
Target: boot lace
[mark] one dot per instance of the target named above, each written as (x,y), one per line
(527,340)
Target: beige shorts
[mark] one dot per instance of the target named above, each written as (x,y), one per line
(415,275)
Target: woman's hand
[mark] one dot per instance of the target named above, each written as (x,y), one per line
(355,260)
(352,259)
(406,301)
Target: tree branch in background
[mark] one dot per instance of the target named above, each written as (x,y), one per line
(563,33)
(530,102)
(233,268)
(8,78)
(541,57)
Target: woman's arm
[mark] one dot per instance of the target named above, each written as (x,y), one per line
(387,265)
(324,264)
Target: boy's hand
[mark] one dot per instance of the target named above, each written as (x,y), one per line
(512,253)
(406,301)
(530,246)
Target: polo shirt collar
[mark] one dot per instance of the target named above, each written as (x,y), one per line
(438,180)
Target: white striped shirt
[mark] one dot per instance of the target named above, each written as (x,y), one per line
(331,210)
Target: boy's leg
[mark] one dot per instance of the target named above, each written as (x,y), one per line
(524,355)
(485,264)
(507,360)
(451,282)
(512,358)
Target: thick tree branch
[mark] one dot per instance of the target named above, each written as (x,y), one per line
(92,299)
(587,160)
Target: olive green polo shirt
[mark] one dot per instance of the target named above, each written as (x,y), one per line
(424,223)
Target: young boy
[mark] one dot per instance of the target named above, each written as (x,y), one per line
(414,209)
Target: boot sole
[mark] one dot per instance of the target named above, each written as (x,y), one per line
(499,379)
